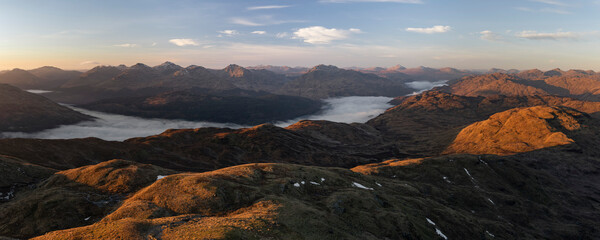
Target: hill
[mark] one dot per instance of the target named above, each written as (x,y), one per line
(459,196)
(233,106)
(584,85)
(329,81)
(520,130)
(21,111)
(425,124)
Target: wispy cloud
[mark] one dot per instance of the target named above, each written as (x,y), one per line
(89,63)
(228,33)
(322,35)
(551,2)
(267,7)
(282,35)
(490,36)
(182,42)
(534,35)
(546,10)
(245,22)
(259,32)
(431,30)
(381,1)
(126,45)
(262,20)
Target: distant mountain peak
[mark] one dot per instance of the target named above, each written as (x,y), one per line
(323,67)
(168,66)
(235,70)
(396,68)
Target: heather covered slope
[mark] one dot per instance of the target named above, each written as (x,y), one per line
(21,111)
(425,124)
(459,196)
(573,83)
(520,130)
(74,197)
(207,149)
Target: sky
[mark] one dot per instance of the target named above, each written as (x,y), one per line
(465,34)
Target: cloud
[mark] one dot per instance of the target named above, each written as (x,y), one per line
(245,22)
(259,32)
(322,35)
(551,2)
(381,1)
(182,42)
(281,35)
(534,35)
(126,45)
(490,36)
(89,63)
(261,21)
(347,110)
(267,7)
(228,33)
(119,127)
(546,10)
(431,30)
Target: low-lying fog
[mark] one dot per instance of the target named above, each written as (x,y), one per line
(118,127)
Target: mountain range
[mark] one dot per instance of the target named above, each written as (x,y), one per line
(503,155)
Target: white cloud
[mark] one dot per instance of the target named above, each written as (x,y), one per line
(259,32)
(490,36)
(322,35)
(546,10)
(261,20)
(268,7)
(89,63)
(534,35)
(126,45)
(228,32)
(551,2)
(281,35)
(434,29)
(388,1)
(245,22)
(182,42)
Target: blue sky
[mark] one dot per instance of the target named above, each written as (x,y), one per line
(467,34)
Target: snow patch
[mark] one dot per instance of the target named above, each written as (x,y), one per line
(430,222)
(378,184)
(159,177)
(314,183)
(322,179)
(296,184)
(491,201)
(440,233)
(358,185)
(87,218)
(303,182)
(489,233)
(446,179)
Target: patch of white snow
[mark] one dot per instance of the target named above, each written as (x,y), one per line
(440,233)
(296,184)
(358,185)
(314,183)
(430,222)
(159,177)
